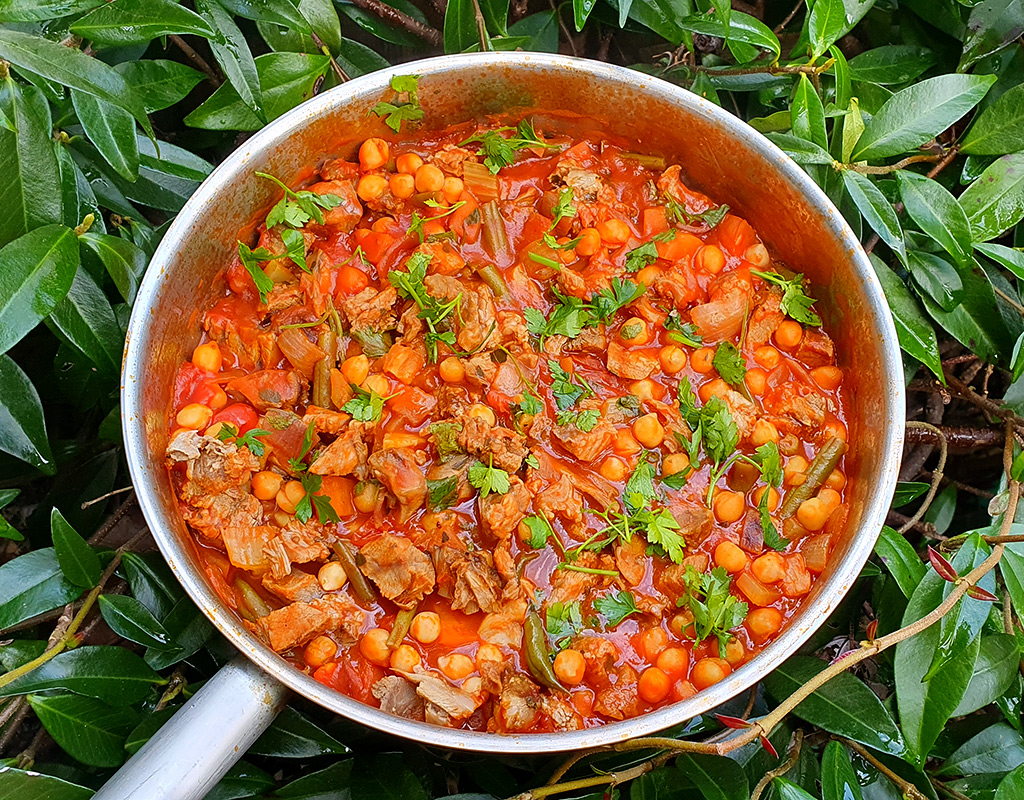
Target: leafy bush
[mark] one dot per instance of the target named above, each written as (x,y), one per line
(908,113)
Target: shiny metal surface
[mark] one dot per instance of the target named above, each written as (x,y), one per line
(721,156)
(193,750)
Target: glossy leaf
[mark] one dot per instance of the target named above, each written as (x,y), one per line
(125,22)
(877,211)
(891,64)
(843,706)
(801,150)
(936,277)
(242,780)
(77,560)
(188,629)
(838,779)
(999,129)
(280,13)
(36,272)
(88,730)
(382,29)
(827,22)
(808,114)
(122,259)
(992,25)
(787,790)
(22,427)
(937,213)
(286,80)
(995,201)
(8,531)
(385,776)
(496,16)
(915,333)
(294,736)
(17,784)
(994,672)
(28,171)
(330,783)
(998,748)
(112,674)
(78,198)
(33,584)
(716,777)
(1011,567)
(358,59)
(900,559)
(41,10)
(85,317)
(580,11)
(234,56)
(661,16)
(1007,257)
(321,17)
(918,113)
(460,32)
(128,618)
(1011,787)
(158,82)
(742,28)
(152,583)
(111,130)
(18,652)
(542,28)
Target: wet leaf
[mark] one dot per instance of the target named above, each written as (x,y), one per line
(33,584)
(77,560)
(22,427)
(1012,786)
(460,32)
(998,748)
(877,211)
(891,64)
(716,777)
(999,129)
(992,25)
(900,559)
(294,736)
(111,130)
(1011,568)
(807,112)
(994,203)
(937,213)
(128,618)
(122,259)
(159,83)
(787,790)
(799,149)
(41,10)
(124,22)
(936,277)
(385,776)
(85,318)
(742,28)
(838,779)
(17,784)
(994,672)
(234,56)
(88,730)
(916,334)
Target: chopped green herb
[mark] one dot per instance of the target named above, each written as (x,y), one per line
(299,464)
(729,363)
(251,261)
(530,404)
(564,209)
(568,318)
(606,303)
(249,439)
(446,437)
(499,151)
(583,420)
(312,501)
(417,222)
(442,494)
(677,213)
(540,530)
(715,610)
(297,208)
(566,392)
(682,332)
(532,462)
(639,489)
(433,312)
(677,480)
(661,528)
(366,406)
(795,302)
(647,253)
(488,478)
(394,114)
(616,606)
(772,537)
(295,247)
(563,621)
(720,433)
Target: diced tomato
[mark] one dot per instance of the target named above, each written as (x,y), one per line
(680,248)
(241,415)
(339,490)
(498,401)
(354,677)
(375,245)
(189,377)
(351,280)
(654,220)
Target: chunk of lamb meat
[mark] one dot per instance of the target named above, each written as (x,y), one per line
(480,370)
(477,318)
(513,332)
(343,456)
(324,420)
(722,316)
(499,446)
(372,310)
(599,656)
(795,407)
(233,326)
(400,473)
(568,585)
(269,388)
(593,340)
(456,466)
(501,513)
(764,320)
(585,445)
(444,703)
(631,560)
(468,579)
(297,623)
(403,573)
(743,411)
(695,521)
(673,578)
(518,704)
(346,215)
(452,158)
(628,364)
(296,586)
(670,183)
(620,700)
(815,349)
(561,713)
(211,466)
(397,696)
(557,499)
(594,199)
(505,627)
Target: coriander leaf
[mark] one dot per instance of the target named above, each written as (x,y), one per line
(767,458)
(250,439)
(639,489)
(250,260)
(606,303)
(311,500)
(540,531)
(682,332)
(395,114)
(715,610)
(324,510)
(532,462)
(497,151)
(677,480)
(564,209)
(662,529)
(442,494)
(583,420)
(772,538)
(640,257)
(795,302)
(366,406)
(720,433)
(530,404)
(616,607)
(688,402)
(729,363)
(295,247)
(677,213)
(568,318)
(446,437)
(563,621)
(488,478)
(566,392)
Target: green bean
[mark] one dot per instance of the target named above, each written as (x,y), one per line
(490,275)
(322,371)
(538,659)
(360,585)
(495,238)
(817,473)
(403,621)
(251,602)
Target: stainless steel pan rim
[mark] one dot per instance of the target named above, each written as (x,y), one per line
(189,223)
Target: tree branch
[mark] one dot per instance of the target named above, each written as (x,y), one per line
(396,17)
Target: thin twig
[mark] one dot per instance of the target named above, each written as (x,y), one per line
(789,18)
(119,513)
(481,27)
(786,766)
(393,15)
(886,169)
(906,788)
(949,791)
(103,497)
(20,709)
(936,475)
(196,59)
(342,75)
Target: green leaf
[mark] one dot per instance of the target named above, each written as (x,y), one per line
(542,29)
(999,129)
(459,26)
(581,10)
(900,559)
(128,618)
(189,630)
(125,22)
(891,64)
(843,706)
(159,83)
(8,531)
(991,26)
(838,779)
(382,29)
(661,16)
(152,583)
(1012,786)
(28,170)
(919,113)
(877,211)
(826,24)
(998,748)
(36,272)
(242,780)
(22,427)
(77,560)
(936,277)
(16,784)
(787,790)
(808,114)
(717,777)
(42,10)
(1011,567)
(33,584)
(742,28)
(994,672)
(385,776)
(85,317)
(112,674)
(234,56)
(321,17)
(123,261)
(78,198)
(294,736)
(1007,257)
(286,80)
(331,783)
(801,150)
(111,130)
(496,15)
(357,59)
(994,203)
(281,13)
(938,214)
(86,729)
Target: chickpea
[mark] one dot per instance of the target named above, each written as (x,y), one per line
(356,369)
(452,370)
(773,496)
(716,387)
(331,576)
(570,667)
(370,187)
(648,274)
(408,163)
(452,190)
(488,652)
(834,427)
(589,242)
(405,658)
(374,647)
(769,568)
(426,627)
(319,651)
(644,389)
(710,259)
(674,661)
(701,360)
(614,468)
(194,416)
(672,358)
(674,463)
(654,685)
(836,480)
(634,331)
(764,622)
(289,496)
(207,357)
(828,378)
(813,514)
(756,380)
(788,334)
(614,232)
(625,444)
(729,506)
(709,671)
(681,624)
(373,153)
(486,413)
(378,383)
(402,186)
(652,642)
(763,432)
(830,497)
(767,356)
(219,399)
(365,497)
(456,666)
(649,431)
(429,179)
(730,557)
(215,429)
(757,254)
(794,473)
(282,519)
(735,652)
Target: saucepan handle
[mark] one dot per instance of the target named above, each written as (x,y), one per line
(200,743)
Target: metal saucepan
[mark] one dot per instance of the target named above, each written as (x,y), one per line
(722,157)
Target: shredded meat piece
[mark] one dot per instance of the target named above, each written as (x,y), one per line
(629,364)
(620,700)
(325,420)
(371,309)
(477,316)
(599,655)
(237,332)
(282,296)
(397,696)
(670,183)
(513,332)
(343,456)
(505,448)
(815,349)
(796,406)
(269,388)
(561,713)
(452,401)
(504,627)
(411,326)
(501,513)
(297,623)
(572,283)
(211,466)
(295,586)
(399,471)
(744,412)
(451,158)
(468,579)
(764,320)
(246,547)
(592,339)
(480,370)
(631,560)
(585,445)
(346,215)
(695,520)
(568,584)
(678,284)
(403,573)
(673,577)
(558,499)
(304,541)
(455,703)
(518,704)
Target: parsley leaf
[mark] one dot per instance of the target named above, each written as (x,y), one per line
(295,247)
(499,151)
(677,480)
(661,528)
(795,302)
(540,531)
(677,212)
(564,209)
(770,462)
(715,610)
(530,404)
(583,420)
(616,607)
(433,312)
(488,478)
(532,462)
(446,437)
(566,392)
(251,261)
(682,332)
(772,537)
(647,253)
(297,208)
(568,318)
(299,464)
(563,621)
(639,489)
(249,439)
(312,501)
(417,222)
(720,433)
(607,302)
(442,494)
(729,363)
(366,406)
(395,114)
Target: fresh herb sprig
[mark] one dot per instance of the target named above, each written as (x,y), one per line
(716,611)
(616,606)
(312,502)
(500,151)
(297,208)
(795,303)
(249,439)
(435,314)
(394,114)
(488,478)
